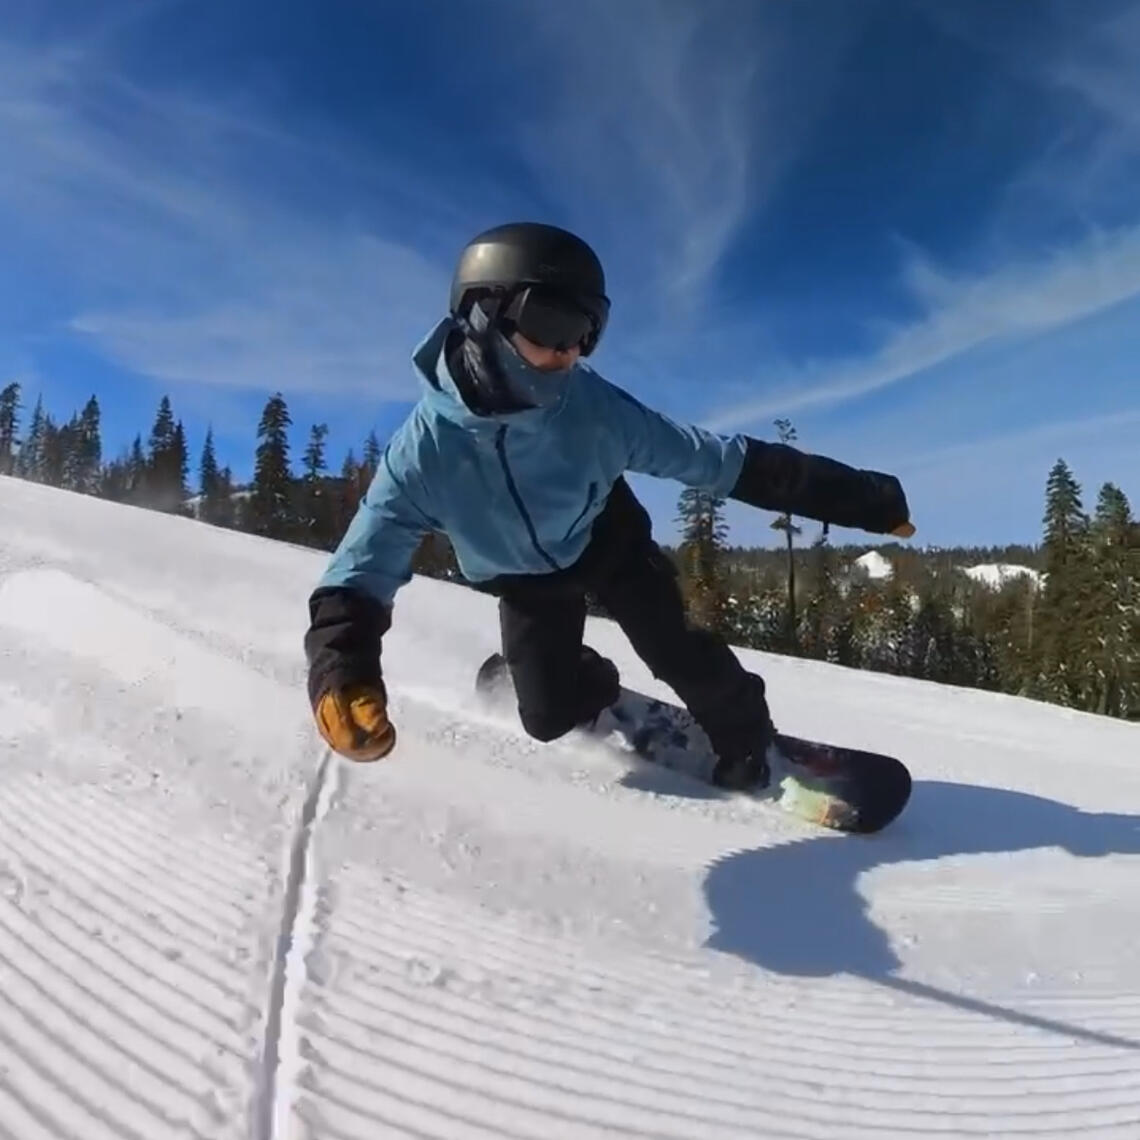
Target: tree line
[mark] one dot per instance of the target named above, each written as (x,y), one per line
(1067,632)
(311,507)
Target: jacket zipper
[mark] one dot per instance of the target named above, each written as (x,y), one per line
(582,512)
(501,448)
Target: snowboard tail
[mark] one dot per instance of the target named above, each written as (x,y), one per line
(844,789)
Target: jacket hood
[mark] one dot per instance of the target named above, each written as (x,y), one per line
(441,395)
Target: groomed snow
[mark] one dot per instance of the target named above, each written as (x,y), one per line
(211,928)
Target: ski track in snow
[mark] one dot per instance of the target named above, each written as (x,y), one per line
(210,927)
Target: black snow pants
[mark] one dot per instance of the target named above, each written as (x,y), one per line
(560,684)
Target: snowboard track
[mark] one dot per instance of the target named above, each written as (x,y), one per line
(273,1095)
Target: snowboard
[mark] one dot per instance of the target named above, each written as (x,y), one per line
(840,788)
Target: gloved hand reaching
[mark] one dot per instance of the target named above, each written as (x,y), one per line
(354,722)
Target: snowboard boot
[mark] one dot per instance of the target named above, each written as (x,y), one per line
(599,686)
(743,750)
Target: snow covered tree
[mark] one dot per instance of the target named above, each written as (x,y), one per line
(270,505)
(9,427)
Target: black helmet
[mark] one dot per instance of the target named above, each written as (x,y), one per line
(544,280)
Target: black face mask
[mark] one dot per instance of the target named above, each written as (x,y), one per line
(493,377)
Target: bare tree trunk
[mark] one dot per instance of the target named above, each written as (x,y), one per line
(791,589)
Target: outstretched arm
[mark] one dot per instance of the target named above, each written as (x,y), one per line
(777,477)
(771,476)
(351,607)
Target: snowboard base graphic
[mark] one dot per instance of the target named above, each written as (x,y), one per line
(845,789)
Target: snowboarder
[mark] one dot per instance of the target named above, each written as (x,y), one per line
(517,450)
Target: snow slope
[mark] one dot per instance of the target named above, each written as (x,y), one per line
(211,928)
(996,574)
(876,565)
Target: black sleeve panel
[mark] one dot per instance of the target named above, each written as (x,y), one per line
(776,477)
(342,643)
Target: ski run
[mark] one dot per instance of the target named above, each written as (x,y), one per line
(212,928)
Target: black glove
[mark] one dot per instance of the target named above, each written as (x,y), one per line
(776,477)
(347,694)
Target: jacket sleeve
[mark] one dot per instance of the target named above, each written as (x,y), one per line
(657,445)
(777,477)
(351,607)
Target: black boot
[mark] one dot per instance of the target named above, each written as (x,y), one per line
(742,770)
(740,735)
(599,686)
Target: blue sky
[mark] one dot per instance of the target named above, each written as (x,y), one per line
(910,226)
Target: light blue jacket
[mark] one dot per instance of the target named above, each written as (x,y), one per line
(516,493)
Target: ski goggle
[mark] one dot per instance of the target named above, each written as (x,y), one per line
(554,320)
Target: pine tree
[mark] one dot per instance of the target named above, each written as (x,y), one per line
(270,504)
(316,507)
(137,474)
(216,507)
(1063,645)
(372,453)
(701,556)
(31,460)
(54,453)
(114,479)
(208,468)
(225,512)
(165,484)
(9,427)
(71,474)
(86,456)
(314,460)
(1113,678)
(180,469)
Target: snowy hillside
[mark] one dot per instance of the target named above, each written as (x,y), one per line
(210,928)
(997,574)
(875,565)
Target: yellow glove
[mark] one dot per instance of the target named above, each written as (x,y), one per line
(904,530)
(354,722)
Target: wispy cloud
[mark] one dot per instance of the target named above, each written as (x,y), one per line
(1025,283)
(1019,299)
(669,127)
(1105,68)
(184,264)
(1013,445)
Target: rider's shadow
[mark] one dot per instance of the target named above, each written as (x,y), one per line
(795,908)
